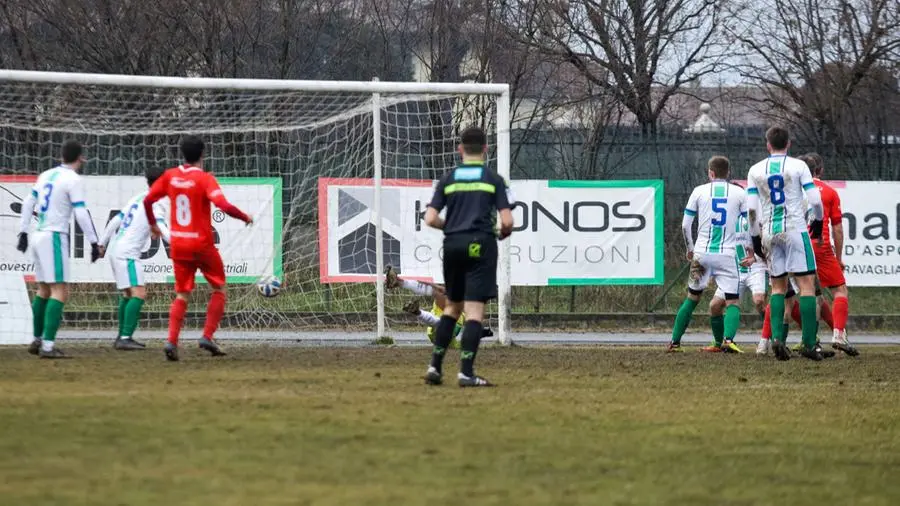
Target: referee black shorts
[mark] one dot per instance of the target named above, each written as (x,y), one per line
(470,267)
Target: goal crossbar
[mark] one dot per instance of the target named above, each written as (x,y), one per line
(210,83)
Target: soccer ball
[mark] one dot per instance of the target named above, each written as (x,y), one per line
(269,286)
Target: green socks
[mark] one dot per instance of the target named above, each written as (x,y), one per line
(132,315)
(776,314)
(683,318)
(718,328)
(52,318)
(38,307)
(732,321)
(123,303)
(808,319)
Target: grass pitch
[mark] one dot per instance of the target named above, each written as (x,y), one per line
(592,426)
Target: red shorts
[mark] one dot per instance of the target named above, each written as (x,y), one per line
(209,262)
(828,269)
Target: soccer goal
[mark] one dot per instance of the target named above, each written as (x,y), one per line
(336,174)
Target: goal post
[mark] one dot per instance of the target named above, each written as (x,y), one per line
(353,163)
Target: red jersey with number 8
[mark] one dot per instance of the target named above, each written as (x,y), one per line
(190,191)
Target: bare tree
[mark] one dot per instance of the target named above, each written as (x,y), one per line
(816,62)
(640,52)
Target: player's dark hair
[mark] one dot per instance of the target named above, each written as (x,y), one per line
(808,161)
(778,137)
(815,162)
(192,148)
(71,151)
(720,166)
(152,174)
(473,140)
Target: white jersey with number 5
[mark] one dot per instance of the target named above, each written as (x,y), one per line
(57,192)
(780,182)
(718,206)
(133,234)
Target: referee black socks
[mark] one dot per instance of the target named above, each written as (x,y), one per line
(443,336)
(471,338)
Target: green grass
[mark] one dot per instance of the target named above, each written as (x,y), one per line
(279,426)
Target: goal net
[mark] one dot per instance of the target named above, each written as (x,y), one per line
(325,169)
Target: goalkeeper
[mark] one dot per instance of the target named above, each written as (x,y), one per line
(428,318)
(127,234)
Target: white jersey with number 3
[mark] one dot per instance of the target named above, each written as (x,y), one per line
(719,207)
(133,235)
(780,182)
(57,192)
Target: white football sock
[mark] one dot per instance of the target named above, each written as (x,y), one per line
(428,318)
(46,345)
(417,287)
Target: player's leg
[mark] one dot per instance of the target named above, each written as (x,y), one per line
(756,283)
(124,295)
(481,286)
(717,317)
(779,277)
(831,275)
(120,276)
(213,270)
(52,253)
(38,310)
(129,279)
(839,339)
(698,278)
(137,294)
(184,271)
(802,263)
(728,278)
(455,265)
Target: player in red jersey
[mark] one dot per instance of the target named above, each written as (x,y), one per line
(829,267)
(190,190)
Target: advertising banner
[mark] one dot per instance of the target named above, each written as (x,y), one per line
(567,232)
(248,252)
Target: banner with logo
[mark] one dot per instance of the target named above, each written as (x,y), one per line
(871,223)
(567,232)
(871,232)
(248,252)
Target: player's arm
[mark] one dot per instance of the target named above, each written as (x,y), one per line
(111,228)
(504,201)
(161,214)
(215,195)
(159,190)
(837,228)
(25,221)
(687,222)
(438,202)
(753,216)
(814,200)
(745,211)
(83,217)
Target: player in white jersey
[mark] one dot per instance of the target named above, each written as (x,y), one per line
(776,187)
(718,206)
(753,279)
(57,194)
(127,235)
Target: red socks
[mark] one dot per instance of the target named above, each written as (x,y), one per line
(841,310)
(767,324)
(795,313)
(825,313)
(176,319)
(214,312)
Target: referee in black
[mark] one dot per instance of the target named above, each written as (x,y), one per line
(472,194)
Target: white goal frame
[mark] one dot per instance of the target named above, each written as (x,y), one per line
(375,88)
